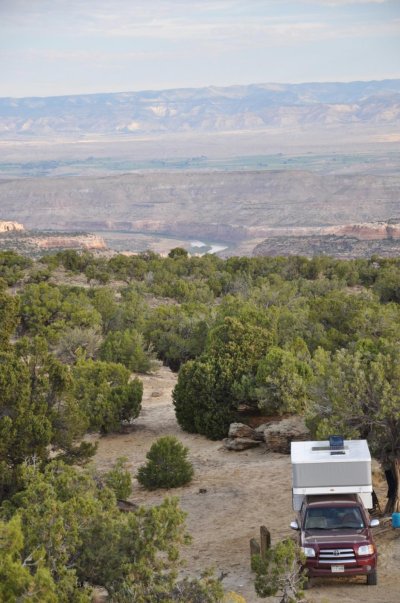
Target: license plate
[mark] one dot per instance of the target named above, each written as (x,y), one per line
(337,569)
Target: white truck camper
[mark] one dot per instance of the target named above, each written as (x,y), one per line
(334,466)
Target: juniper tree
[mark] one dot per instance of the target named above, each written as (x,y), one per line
(167,465)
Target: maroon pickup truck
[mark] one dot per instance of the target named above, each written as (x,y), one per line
(335,536)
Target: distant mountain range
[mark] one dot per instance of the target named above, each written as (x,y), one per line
(213,109)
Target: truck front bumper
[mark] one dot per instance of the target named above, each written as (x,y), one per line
(361,566)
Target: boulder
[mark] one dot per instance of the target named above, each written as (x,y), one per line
(240,443)
(259,431)
(240,430)
(279,434)
(126,506)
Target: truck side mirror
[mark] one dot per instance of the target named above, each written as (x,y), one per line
(294,525)
(373,523)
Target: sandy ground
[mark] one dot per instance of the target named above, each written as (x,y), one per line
(243,490)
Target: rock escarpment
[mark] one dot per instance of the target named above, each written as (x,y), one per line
(367,231)
(36,243)
(343,241)
(6,226)
(238,232)
(89,241)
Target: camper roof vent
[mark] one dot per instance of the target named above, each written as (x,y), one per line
(336,444)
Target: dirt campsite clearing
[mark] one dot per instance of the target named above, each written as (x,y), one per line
(231,495)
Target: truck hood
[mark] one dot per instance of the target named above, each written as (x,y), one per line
(335,538)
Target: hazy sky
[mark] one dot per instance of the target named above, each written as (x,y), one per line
(58,47)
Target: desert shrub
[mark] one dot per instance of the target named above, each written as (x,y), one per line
(211,388)
(9,309)
(207,589)
(203,398)
(75,261)
(387,284)
(126,347)
(63,534)
(178,252)
(119,479)
(280,572)
(178,333)
(13,266)
(282,381)
(167,465)
(77,341)
(106,394)
(40,276)
(49,310)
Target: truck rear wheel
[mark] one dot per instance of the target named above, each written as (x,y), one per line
(372,578)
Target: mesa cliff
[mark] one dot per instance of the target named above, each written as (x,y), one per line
(214,205)
(236,232)
(36,243)
(85,241)
(343,242)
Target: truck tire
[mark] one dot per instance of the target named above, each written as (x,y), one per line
(372,578)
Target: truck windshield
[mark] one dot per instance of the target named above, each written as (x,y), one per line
(333,518)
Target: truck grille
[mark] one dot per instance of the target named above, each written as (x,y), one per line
(337,556)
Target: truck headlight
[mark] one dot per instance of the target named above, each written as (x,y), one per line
(366,549)
(308,551)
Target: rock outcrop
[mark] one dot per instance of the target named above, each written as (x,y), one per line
(240,443)
(35,243)
(6,226)
(340,247)
(277,435)
(240,430)
(367,231)
(90,242)
(241,437)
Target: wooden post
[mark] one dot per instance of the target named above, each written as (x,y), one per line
(254,550)
(254,547)
(265,541)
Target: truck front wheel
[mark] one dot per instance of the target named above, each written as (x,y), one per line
(372,578)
